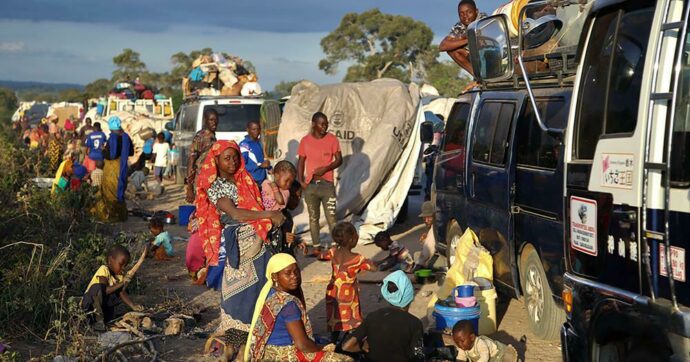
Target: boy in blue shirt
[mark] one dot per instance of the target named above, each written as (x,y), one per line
(253,153)
(95,142)
(161,248)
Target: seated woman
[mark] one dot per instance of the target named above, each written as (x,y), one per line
(281,330)
(391,333)
(233,227)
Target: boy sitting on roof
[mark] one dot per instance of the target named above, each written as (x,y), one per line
(455,43)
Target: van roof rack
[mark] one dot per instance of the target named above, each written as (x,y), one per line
(196,97)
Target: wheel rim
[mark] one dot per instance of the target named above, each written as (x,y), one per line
(534,292)
(453,244)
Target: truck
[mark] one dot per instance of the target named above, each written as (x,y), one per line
(626,175)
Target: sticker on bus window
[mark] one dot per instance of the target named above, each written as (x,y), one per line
(677,262)
(617,170)
(583,225)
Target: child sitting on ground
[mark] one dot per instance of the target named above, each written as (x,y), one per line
(342,293)
(138,180)
(398,258)
(275,196)
(107,289)
(475,348)
(96,176)
(161,248)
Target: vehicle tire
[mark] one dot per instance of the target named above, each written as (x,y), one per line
(452,239)
(544,315)
(647,352)
(402,215)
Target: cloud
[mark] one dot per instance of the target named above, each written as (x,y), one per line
(12,47)
(284,60)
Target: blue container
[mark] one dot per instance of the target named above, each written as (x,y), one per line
(446,317)
(463,291)
(185,211)
(99,109)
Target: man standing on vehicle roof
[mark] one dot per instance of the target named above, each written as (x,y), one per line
(319,154)
(455,43)
(253,153)
(202,142)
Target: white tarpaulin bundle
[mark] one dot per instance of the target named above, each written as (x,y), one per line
(377,124)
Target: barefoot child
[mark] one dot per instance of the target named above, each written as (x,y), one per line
(475,348)
(342,293)
(107,289)
(398,258)
(161,248)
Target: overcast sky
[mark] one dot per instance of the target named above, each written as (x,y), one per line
(75,40)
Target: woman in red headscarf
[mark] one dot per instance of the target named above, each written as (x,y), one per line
(233,226)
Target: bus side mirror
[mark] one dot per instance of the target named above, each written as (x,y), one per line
(170,126)
(489,47)
(427,132)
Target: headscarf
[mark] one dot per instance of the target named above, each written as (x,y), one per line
(405,293)
(114,123)
(249,198)
(277,263)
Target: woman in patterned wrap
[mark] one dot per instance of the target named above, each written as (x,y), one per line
(233,226)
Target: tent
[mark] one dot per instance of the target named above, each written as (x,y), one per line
(377,124)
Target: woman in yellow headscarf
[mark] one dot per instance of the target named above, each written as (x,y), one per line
(280,329)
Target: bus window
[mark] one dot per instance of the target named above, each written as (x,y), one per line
(189,115)
(612,77)
(491,133)
(452,162)
(535,148)
(680,153)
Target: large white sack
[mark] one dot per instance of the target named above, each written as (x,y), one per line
(374,122)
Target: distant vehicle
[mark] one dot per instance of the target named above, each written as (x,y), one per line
(37,112)
(233,115)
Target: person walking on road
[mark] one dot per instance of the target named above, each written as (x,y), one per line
(319,154)
(253,153)
(202,142)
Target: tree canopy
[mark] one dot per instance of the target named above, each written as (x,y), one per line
(8,104)
(283,89)
(128,65)
(380,45)
(446,77)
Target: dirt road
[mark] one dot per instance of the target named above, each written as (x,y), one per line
(168,281)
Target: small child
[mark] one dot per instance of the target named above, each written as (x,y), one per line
(160,150)
(96,176)
(161,248)
(173,160)
(398,258)
(475,348)
(106,290)
(426,258)
(138,179)
(275,194)
(342,293)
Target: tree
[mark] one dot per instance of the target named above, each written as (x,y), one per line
(8,104)
(380,45)
(283,89)
(98,88)
(446,77)
(128,65)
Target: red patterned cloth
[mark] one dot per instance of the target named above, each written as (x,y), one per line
(342,293)
(249,198)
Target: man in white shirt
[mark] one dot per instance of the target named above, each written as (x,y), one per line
(160,153)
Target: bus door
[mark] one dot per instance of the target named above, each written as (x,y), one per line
(491,174)
(604,175)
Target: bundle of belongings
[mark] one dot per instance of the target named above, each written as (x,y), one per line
(215,75)
(132,91)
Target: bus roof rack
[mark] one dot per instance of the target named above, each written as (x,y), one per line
(196,97)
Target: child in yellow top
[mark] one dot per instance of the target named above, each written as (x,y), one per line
(107,289)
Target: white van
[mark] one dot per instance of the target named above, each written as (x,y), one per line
(233,115)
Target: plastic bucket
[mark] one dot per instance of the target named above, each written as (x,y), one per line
(446,317)
(486,299)
(185,211)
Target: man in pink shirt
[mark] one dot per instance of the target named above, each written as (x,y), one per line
(319,154)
